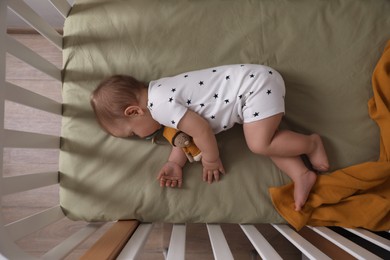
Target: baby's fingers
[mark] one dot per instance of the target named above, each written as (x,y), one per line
(176,183)
(173,183)
(169,183)
(210,175)
(206,175)
(222,170)
(216,175)
(161,174)
(162,182)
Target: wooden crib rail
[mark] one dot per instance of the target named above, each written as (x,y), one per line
(112,242)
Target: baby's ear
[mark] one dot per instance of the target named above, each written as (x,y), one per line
(132,111)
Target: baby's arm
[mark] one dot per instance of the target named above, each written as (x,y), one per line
(203,136)
(171,174)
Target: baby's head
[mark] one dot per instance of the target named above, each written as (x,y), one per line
(119,103)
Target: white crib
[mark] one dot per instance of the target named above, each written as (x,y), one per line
(125,239)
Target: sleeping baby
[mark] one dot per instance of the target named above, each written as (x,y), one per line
(203,103)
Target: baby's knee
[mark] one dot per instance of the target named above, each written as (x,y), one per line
(260,149)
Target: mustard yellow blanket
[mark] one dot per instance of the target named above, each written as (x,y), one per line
(356,196)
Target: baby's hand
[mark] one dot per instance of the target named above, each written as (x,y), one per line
(211,170)
(170,175)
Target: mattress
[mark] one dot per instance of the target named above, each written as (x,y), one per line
(325,50)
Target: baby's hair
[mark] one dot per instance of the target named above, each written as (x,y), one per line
(113,95)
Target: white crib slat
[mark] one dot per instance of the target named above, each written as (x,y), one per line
(27,14)
(263,248)
(176,250)
(23,227)
(67,246)
(136,242)
(219,244)
(373,238)
(25,97)
(19,139)
(345,244)
(28,182)
(27,55)
(62,6)
(3,29)
(299,242)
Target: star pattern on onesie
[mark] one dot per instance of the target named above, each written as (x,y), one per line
(216,96)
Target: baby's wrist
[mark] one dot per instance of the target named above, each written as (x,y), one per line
(206,160)
(175,163)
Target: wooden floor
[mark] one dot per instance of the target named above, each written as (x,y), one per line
(25,161)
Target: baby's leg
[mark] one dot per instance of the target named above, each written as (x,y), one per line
(302,177)
(297,144)
(284,148)
(263,138)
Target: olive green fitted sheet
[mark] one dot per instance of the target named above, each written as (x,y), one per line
(325,50)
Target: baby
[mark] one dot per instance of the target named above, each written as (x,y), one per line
(203,103)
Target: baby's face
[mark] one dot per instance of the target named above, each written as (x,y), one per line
(141,126)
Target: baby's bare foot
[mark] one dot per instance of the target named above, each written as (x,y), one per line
(318,157)
(302,188)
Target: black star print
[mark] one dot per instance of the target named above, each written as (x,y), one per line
(212,117)
(214,70)
(252,75)
(188,101)
(227,77)
(201,83)
(202,105)
(173,90)
(240,96)
(170,99)
(225,126)
(151,105)
(270,72)
(159,85)
(242,65)
(173,122)
(226,101)
(250,93)
(215,95)
(185,76)
(269,91)
(255,114)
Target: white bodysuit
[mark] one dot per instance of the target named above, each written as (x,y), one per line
(222,95)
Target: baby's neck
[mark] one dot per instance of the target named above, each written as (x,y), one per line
(143,98)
